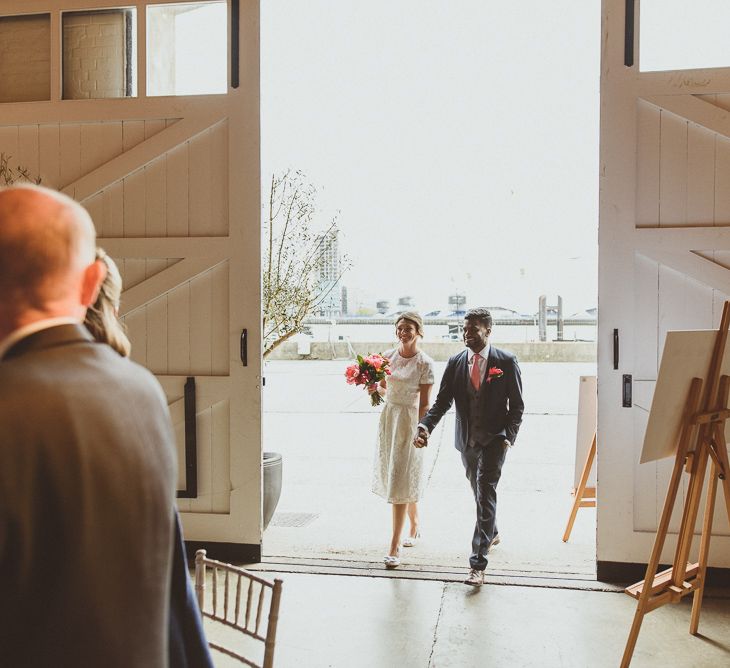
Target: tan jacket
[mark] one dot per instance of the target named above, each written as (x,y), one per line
(87,491)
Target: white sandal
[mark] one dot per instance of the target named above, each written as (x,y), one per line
(411,541)
(392,561)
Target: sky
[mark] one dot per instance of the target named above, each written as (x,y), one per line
(457,140)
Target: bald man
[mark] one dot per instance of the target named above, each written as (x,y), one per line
(87,459)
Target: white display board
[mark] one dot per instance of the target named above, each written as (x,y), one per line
(686,355)
(587,400)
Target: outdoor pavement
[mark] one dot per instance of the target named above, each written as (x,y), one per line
(326,431)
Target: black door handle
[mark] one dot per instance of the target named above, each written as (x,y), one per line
(615,349)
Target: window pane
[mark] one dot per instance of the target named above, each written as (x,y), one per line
(681,35)
(99,54)
(186,49)
(25,58)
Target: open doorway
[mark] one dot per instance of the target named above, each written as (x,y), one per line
(461,151)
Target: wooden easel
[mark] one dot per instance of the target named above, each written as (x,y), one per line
(704,418)
(585,497)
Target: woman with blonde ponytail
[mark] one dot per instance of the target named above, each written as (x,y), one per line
(102,319)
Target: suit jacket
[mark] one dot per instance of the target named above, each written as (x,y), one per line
(87,493)
(500,400)
(188,644)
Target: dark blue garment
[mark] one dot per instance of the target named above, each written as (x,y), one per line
(188,645)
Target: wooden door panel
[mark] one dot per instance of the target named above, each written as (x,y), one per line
(173,186)
(664,245)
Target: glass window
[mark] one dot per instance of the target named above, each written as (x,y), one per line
(186,49)
(25,58)
(681,35)
(99,54)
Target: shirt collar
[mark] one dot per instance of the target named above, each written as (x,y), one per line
(22,332)
(484,352)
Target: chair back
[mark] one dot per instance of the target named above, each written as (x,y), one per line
(250,604)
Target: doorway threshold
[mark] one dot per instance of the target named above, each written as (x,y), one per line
(354,568)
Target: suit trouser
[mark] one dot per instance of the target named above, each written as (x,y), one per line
(483,466)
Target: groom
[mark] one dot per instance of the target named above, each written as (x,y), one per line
(486,385)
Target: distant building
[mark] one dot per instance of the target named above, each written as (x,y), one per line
(344,308)
(382,306)
(329,274)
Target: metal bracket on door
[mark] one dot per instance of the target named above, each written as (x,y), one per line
(191,443)
(235,47)
(629,34)
(244,347)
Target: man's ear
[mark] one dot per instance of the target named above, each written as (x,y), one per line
(94,276)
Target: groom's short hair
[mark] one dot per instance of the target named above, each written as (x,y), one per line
(480,314)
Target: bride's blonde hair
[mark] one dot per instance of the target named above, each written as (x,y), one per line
(102,319)
(414,318)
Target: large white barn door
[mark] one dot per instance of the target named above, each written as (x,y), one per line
(172,182)
(664,241)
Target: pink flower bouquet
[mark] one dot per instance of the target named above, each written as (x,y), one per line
(368,371)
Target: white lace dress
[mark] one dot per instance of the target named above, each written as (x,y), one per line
(398,466)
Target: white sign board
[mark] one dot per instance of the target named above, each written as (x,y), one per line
(587,400)
(686,355)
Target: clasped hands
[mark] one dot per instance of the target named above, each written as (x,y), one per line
(420,440)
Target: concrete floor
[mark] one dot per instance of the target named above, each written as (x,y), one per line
(541,606)
(326,433)
(348,622)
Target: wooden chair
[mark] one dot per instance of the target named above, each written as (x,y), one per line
(259,594)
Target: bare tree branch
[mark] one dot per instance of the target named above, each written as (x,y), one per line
(293,280)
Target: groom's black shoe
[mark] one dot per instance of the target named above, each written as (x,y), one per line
(495,541)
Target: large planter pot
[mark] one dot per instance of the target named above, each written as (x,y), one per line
(272,484)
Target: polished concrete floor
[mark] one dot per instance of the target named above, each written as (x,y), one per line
(352,622)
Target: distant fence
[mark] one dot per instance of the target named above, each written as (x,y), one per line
(537,351)
(571,322)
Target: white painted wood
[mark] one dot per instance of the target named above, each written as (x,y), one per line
(50,158)
(672,171)
(176,189)
(692,108)
(646,316)
(700,176)
(203,503)
(70,151)
(221,491)
(648,156)
(201,307)
(162,178)
(113,213)
(28,149)
(664,239)
(199,200)
(141,155)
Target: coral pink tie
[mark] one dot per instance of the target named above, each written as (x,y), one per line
(475,377)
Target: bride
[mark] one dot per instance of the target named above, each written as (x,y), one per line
(398,465)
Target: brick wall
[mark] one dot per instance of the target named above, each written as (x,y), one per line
(94,55)
(25,58)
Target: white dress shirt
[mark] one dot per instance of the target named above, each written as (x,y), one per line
(11,339)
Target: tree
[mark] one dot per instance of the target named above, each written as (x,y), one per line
(296,276)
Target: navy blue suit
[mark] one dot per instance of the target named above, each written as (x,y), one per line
(500,406)
(187,643)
